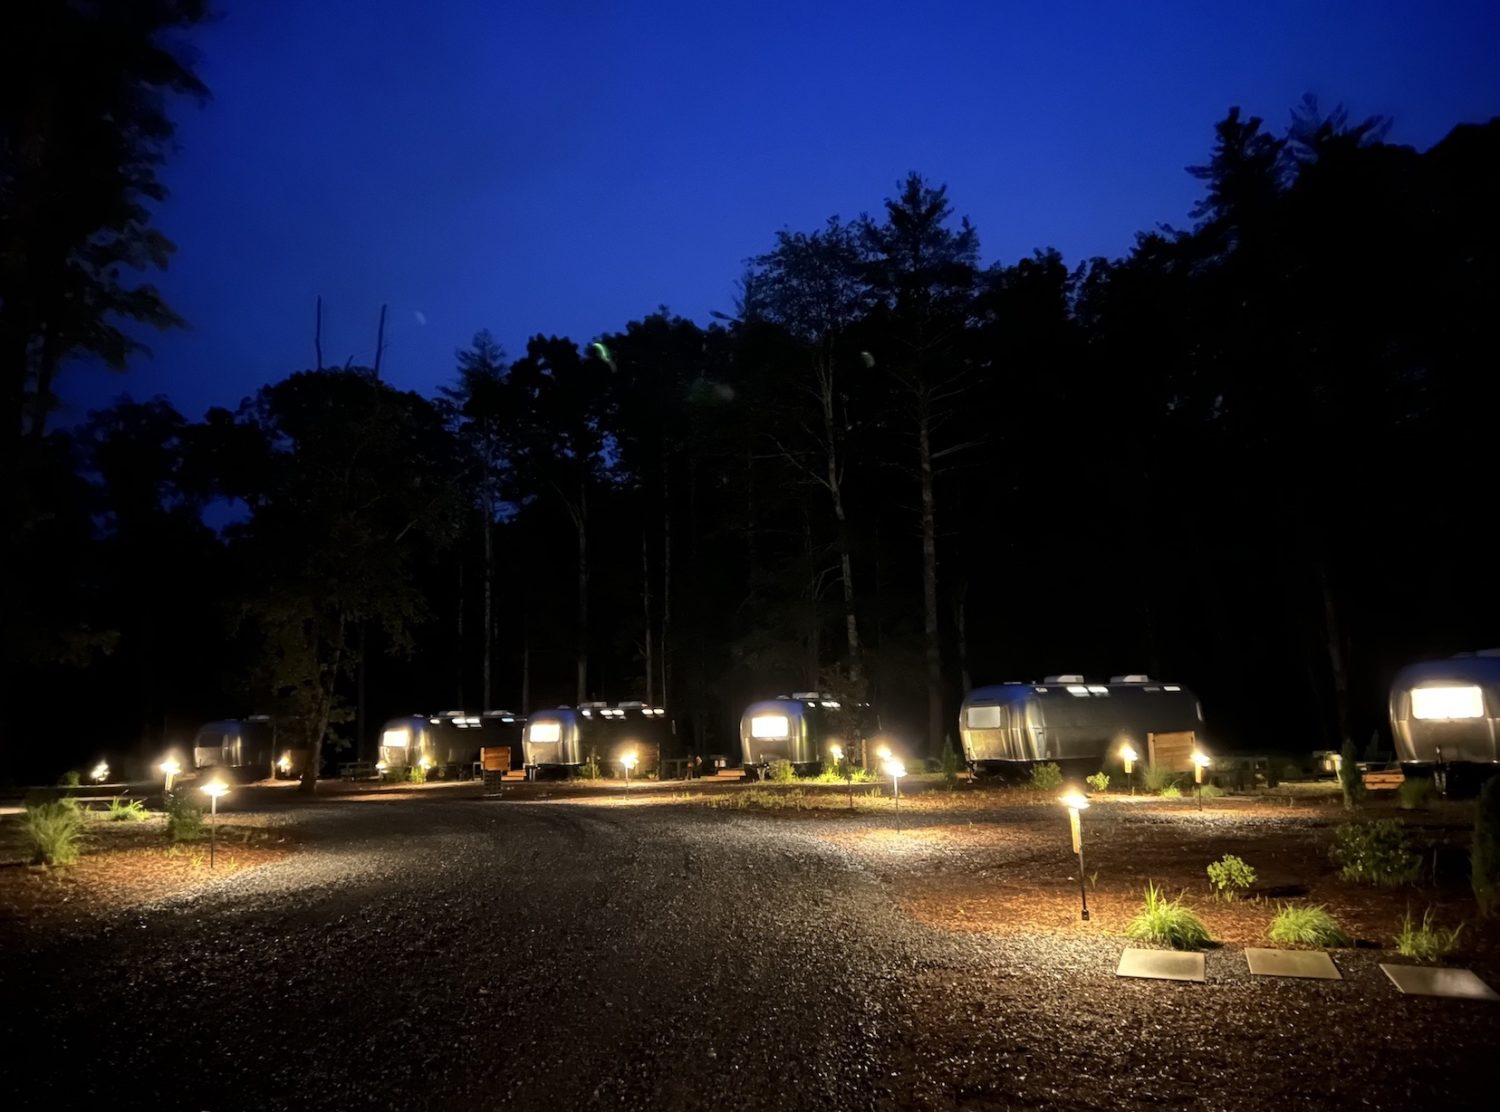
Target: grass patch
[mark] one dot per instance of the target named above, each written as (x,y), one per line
(1426,942)
(1377,853)
(1171,791)
(835,776)
(1415,793)
(759,799)
(126,810)
(1211,791)
(1156,779)
(1229,876)
(53,831)
(1307,926)
(1167,922)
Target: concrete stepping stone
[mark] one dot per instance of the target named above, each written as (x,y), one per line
(1424,980)
(1291,963)
(1161,965)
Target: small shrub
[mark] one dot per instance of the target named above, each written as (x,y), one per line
(1414,793)
(1171,791)
(1484,859)
(1099,781)
(590,769)
(1229,876)
(1167,922)
(184,817)
(1046,777)
(781,772)
(126,810)
(1426,942)
(1351,780)
(1377,853)
(416,774)
(70,779)
(52,831)
(950,763)
(1307,926)
(1156,779)
(1211,791)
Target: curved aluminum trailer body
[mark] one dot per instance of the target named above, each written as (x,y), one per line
(1070,721)
(1448,711)
(797,728)
(234,743)
(449,740)
(565,737)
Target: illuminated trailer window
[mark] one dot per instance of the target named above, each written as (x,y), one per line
(544,731)
(1447,702)
(770,726)
(984,718)
(396,739)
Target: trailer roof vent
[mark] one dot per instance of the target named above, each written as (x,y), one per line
(631,704)
(596,705)
(805,695)
(1063,679)
(1131,677)
(499,714)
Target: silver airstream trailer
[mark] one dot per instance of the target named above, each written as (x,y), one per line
(561,739)
(798,728)
(1067,720)
(1447,712)
(235,744)
(447,743)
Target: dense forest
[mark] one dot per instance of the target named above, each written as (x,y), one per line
(1254,456)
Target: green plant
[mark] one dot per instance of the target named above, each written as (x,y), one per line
(1171,791)
(950,764)
(184,817)
(1351,780)
(70,779)
(590,769)
(1376,853)
(52,831)
(1046,777)
(126,810)
(416,774)
(1156,779)
(781,772)
(1099,781)
(1414,793)
(1230,875)
(1426,942)
(1484,859)
(1307,926)
(1166,921)
(1211,791)
(842,773)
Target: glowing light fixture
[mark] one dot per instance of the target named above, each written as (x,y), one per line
(169,769)
(1201,761)
(1078,689)
(213,789)
(285,764)
(628,760)
(424,762)
(1429,703)
(1075,801)
(895,769)
(770,726)
(381,766)
(1129,756)
(399,738)
(884,752)
(100,772)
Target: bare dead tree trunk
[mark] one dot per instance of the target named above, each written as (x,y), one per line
(812,662)
(1337,665)
(319,725)
(580,519)
(458,656)
(932,648)
(646,607)
(961,621)
(525,671)
(379,341)
(836,493)
(318,334)
(359,696)
(666,592)
(489,613)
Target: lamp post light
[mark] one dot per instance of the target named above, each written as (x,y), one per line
(628,760)
(169,769)
(100,772)
(1129,755)
(1076,801)
(896,769)
(1200,762)
(838,755)
(213,789)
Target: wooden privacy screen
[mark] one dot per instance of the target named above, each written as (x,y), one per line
(496,758)
(1173,752)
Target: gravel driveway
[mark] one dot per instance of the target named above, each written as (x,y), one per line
(466,954)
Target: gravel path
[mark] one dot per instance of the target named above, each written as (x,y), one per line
(468,954)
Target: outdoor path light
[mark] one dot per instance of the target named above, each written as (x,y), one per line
(628,760)
(838,755)
(169,769)
(1076,801)
(213,789)
(100,772)
(895,769)
(1128,755)
(1200,762)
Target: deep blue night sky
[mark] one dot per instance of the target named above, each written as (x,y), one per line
(566,167)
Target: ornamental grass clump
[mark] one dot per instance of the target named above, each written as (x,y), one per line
(1230,876)
(1046,777)
(126,810)
(52,831)
(1168,922)
(1171,791)
(1307,926)
(1426,942)
(1156,779)
(1377,853)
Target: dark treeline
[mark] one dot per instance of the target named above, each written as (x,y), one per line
(1254,456)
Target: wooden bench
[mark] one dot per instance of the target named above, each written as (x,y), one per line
(357,770)
(1384,781)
